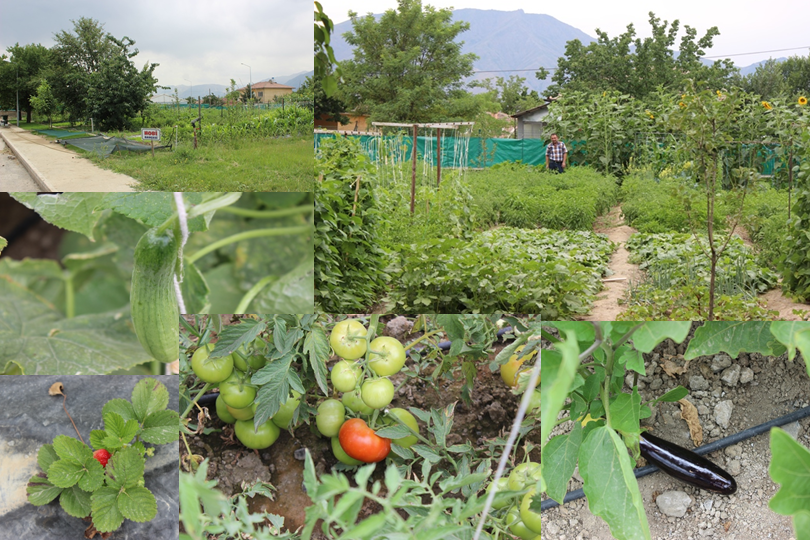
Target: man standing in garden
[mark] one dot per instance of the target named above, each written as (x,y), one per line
(556,154)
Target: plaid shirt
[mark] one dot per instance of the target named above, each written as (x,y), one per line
(556,152)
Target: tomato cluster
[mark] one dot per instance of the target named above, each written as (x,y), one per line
(520,519)
(362,376)
(236,403)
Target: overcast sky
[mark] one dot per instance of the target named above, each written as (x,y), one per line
(203,40)
(746,26)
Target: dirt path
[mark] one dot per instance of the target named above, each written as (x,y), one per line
(607,307)
(774,299)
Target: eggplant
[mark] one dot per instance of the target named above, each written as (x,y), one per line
(686,465)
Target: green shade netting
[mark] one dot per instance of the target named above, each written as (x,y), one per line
(61,133)
(105,146)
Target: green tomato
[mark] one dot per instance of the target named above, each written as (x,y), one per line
(502,485)
(354,403)
(331,414)
(242,414)
(239,362)
(285,414)
(236,391)
(408,419)
(211,370)
(524,475)
(530,518)
(377,393)
(263,437)
(388,356)
(222,411)
(517,527)
(345,376)
(348,339)
(341,454)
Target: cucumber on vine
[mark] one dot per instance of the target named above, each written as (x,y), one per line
(155,312)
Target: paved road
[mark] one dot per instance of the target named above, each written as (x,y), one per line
(61,169)
(13,176)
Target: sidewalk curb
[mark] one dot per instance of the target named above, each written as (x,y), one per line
(36,176)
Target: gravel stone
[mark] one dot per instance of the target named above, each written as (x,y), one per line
(793,429)
(720,362)
(746,375)
(673,503)
(731,375)
(722,412)
(734,467)
(697,382)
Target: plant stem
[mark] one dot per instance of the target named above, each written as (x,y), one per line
(422,337)
(267,214)
(70,297)
(251,294)
(606,384)
(194,401)
(280,231)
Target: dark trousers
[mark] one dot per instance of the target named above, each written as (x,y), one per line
(555,166)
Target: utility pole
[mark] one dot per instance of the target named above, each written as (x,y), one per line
(250,93)
(18,95)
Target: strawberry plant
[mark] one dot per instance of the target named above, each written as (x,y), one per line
(133,261)
(107,485)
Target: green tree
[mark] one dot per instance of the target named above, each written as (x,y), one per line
(24,71)
(328,107)
(94,75)
(44,102)
(407,66)
(326,67)
(512,94)
(766,81)
(637,67)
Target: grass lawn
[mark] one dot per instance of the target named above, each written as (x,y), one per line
(283,164)
(280,164)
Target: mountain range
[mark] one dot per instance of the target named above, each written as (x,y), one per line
(203,89)
(505,40)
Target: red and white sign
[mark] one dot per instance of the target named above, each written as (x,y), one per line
(150,134)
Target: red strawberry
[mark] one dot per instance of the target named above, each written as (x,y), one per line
(102,456)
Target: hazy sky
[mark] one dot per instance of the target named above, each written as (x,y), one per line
(746,26)
(202,40)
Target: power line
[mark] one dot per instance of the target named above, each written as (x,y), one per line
(757,52)
(718,56)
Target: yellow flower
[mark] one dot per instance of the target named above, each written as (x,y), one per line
(802,100)
(767,105)
(718,93)
(682,104)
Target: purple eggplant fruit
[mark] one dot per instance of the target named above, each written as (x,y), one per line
(686,465)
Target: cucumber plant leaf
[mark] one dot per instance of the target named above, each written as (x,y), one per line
(78,212)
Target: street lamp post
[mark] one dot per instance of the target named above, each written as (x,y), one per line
(250,94)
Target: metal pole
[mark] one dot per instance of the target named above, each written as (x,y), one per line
(18,96)
(413,171)
(438,157)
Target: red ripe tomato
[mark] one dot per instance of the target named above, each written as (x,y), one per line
(360,441)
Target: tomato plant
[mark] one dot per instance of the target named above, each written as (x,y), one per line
(211,370)
(387,356)
(236,391)
(345,376)
(330,417)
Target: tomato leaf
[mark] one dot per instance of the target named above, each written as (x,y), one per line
(235,335)
(610,486)
(316,347)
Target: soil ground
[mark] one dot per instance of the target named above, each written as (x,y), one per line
(778,387)
(607,306)
(490,415)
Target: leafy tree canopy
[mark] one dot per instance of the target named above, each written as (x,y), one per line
(406,66)
(637,67)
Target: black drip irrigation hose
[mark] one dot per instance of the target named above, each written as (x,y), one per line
(208,399)
(706,449)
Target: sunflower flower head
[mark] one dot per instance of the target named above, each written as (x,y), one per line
(802,100)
